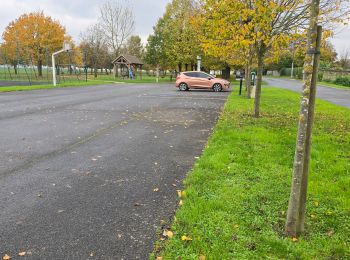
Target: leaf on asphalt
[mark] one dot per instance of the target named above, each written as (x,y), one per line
(6,257)
(156,190)
(168,233)
(155,163)
(22,253)
(92,254)
(294,239)
(60,211)
(186,238)
(174,185)
(93,159)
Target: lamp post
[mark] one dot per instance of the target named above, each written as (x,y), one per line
(66,48)
(199,60)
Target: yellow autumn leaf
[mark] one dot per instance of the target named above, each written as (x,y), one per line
(316,203)
(22,253)
(156,189)
(201,257)
(186,238)
(6,257)
(179,193)
(294,239)
(168,233)
(159,258)
(181,203)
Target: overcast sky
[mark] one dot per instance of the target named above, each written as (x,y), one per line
(77,15)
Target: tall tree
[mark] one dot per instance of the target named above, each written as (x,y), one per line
(117,23)
(94,48)
(33,35)
(134,46)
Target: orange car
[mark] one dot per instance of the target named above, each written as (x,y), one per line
(200,80)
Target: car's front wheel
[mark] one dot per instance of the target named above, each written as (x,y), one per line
(217,87)
(183,87)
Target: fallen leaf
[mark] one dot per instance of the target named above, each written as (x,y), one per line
(174,185)
(186,238)
(6,257)
(294,239)
(202,257)
(179,193)
(313,216)
(236,226)
(159,258)
(328,213)
(181,203)
(330,232)
(156,190)
(93,159)
(316,203)
(22,253)
(60,211)
(92,254)
(168,233)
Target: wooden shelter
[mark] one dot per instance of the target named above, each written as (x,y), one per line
(126,61)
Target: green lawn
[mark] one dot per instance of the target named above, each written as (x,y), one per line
(50,86)
(236,196)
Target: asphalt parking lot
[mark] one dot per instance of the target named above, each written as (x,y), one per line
(89,173)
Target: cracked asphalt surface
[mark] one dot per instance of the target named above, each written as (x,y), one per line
(79,166)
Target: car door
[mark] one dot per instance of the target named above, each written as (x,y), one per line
(204,80)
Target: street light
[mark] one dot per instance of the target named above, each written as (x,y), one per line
(199,60)
(66,48)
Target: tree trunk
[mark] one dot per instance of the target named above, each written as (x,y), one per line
(40,68)
(180,67)
(186,67)
(311,113)
(294,224)
(226,72)
(95,72)
(259,81)
(248,79)
(15,68)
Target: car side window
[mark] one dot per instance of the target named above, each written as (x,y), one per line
(190,74)
(203,75)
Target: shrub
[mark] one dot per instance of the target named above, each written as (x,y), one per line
(343,81)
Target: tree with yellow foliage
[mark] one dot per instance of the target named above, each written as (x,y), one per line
(32,36)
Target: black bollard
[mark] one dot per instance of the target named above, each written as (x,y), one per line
(240,86)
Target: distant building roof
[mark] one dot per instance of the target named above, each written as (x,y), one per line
(127,59)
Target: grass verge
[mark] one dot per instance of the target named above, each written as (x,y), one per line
(50,86)
(235,200)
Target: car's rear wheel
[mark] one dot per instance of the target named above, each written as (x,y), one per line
(183,87)
(217,87)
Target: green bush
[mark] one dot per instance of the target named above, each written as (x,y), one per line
(298,72)
(343,81)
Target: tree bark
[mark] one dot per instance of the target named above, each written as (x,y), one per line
(293,222)
(179,67)
(40,68)
(261,54)
(310,121)
(248,79)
